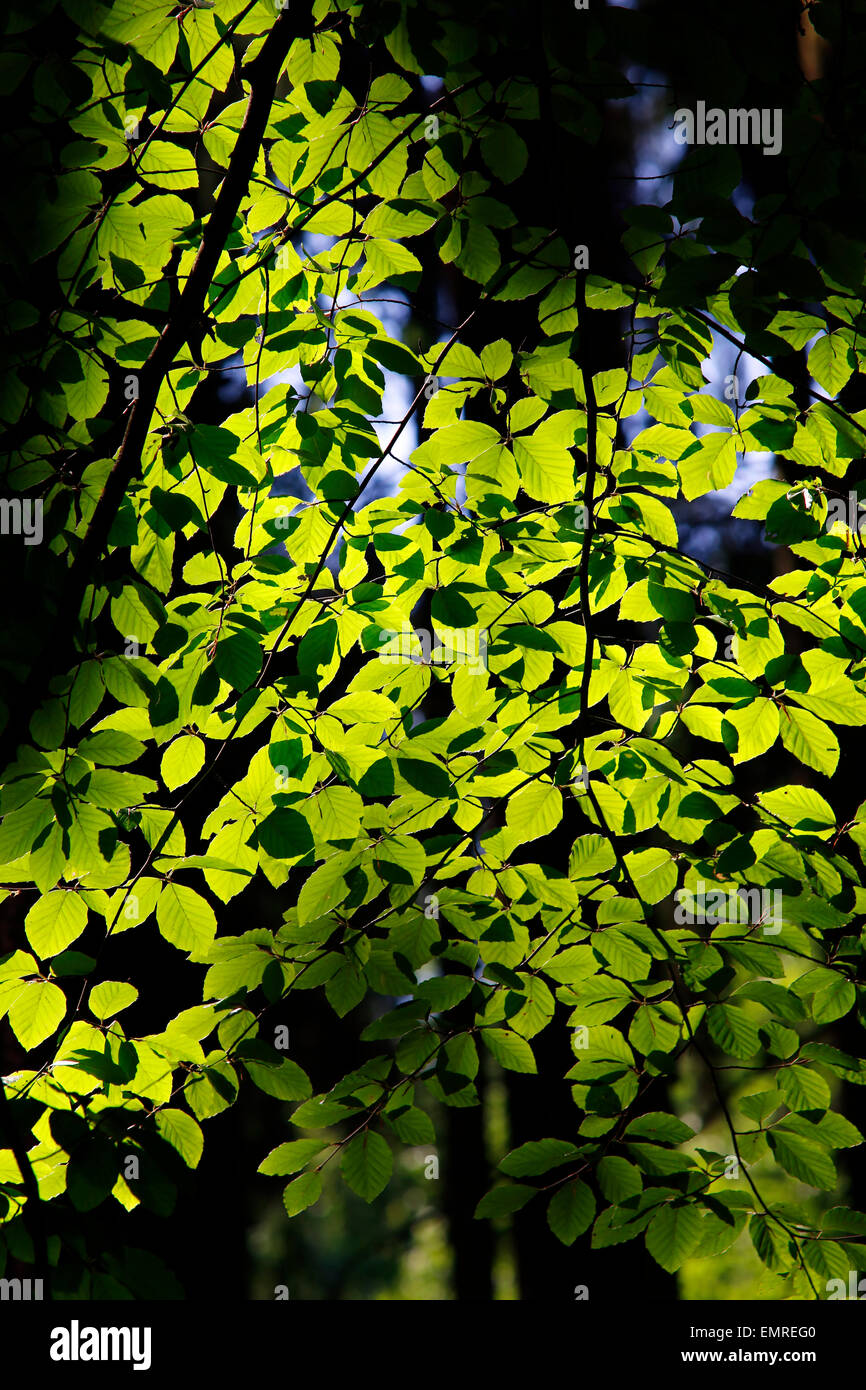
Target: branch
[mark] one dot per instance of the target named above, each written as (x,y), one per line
(774,367)
(32,1210)
(264,73)
(495,285)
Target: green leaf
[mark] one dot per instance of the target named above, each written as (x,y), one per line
(570,1211)
(827,1258)
(503,1200)
(803,1089)
(284,1079)
(285,834)
(324,890)
(411,1125)
(182,760)
(546,467)
(708,465)
(650,1032)
(809,739)
(769,1240)
(591,855)
(831,362)
(290,1157)
(833,1000)
(496,358)
(511,1052)
(182,1132)
(660,1128)
(185,918)
(452,609)
(480,256)
(757,728)
(313,61)
(366,1164)
(803,1159)
(618,1179)
(345,989)
(111,748)
(37,1013)
(424,776)
(316,647)
(54,922)
(320,1113)
(340,809)
(626,958)
(654,873)
(801,807)
(302,1192)
(673,1234)
(534,811)
(504,153)
(733,1030)
(238,659)
(110,998)
(659,1162)
(537,1156)
(364,707)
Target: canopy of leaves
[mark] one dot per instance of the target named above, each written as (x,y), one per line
(238,595)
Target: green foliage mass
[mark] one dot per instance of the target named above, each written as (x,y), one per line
(413,860)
